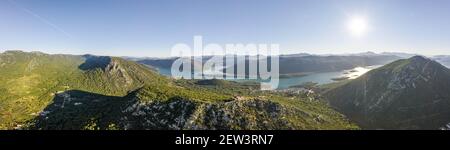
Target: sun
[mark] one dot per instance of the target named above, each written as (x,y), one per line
(358,26)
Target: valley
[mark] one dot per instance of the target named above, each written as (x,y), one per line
(109,93)
(86,92)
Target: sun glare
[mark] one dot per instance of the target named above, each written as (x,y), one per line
(358,26)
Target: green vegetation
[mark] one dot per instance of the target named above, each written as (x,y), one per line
(406,94)
(306,85)
(42,91)
(340,78)
(324,88)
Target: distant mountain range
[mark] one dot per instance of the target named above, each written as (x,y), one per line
(402,55)
(297,64)
(406,94)
(317,63)
(303,63)
(443,59)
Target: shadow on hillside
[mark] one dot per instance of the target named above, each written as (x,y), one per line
(76,110)
(93,62)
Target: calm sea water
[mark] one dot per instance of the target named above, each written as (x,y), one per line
(320,78)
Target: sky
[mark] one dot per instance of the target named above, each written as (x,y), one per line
(150,28)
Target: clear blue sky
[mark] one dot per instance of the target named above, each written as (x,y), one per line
(152,27)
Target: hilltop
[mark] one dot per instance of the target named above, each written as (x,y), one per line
(42,91)
(405,94)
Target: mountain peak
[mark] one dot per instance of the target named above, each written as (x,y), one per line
(405,94)
(93,62)
(419,58)
(369,53)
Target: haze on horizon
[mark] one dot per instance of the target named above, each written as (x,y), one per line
(150,28)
